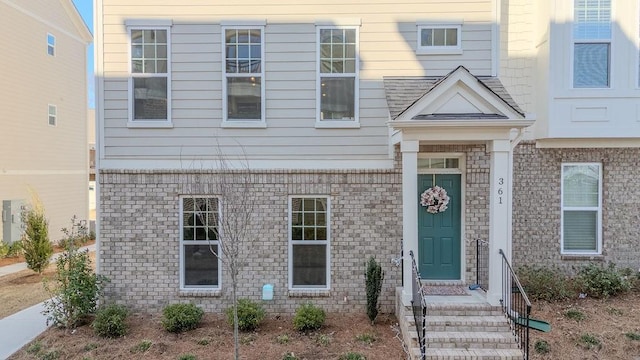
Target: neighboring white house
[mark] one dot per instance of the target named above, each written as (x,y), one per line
(43,131)
(526,112)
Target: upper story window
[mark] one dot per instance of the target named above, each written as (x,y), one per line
(199,244)
(243,74)
(581,208)
(440,39)
(338,75)
(51,45)
(53,115)
(591,43)
(150,75)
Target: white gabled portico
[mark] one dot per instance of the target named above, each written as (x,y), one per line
(459,108)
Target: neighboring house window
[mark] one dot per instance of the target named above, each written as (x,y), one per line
(581,208)
(243,74)
(439,39)
(51,45)
(338,74)
(53,115)
(199,265)
(309,242)
(150,69)
(592,43)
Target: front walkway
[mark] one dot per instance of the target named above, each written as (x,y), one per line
(22,327)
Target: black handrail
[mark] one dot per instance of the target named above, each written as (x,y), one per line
(419,307)
(482,264)
(515,305)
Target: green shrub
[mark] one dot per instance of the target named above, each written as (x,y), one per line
(178,318)
(51,355)
(15,249)
(366,338)
(542,347)
(4,249)
(283,339)
(308,317)
(373,282)
(289,356)
(250,315)
(142,346)
(575,314)
(111,321)
(34,348)
(632,336)
(542,283)
(77,235)
(352,356)
(187,357)
(589,341)
(35,242)
(74,290)
(204,341)
(602,282)
(323,339)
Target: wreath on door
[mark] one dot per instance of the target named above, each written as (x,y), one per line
(435,199)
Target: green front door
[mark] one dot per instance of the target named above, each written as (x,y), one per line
(439,242)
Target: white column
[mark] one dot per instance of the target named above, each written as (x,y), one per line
(499,215)
(409,151)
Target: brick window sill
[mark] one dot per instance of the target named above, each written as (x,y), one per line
(200,293)
(582,257)
(309,293)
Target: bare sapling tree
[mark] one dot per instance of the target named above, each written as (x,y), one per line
(234,229)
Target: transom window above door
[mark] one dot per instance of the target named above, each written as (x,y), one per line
(438,163)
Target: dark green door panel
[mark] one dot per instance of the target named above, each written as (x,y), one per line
(439,242)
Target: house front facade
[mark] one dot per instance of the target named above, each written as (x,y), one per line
(340,116)
(43,131)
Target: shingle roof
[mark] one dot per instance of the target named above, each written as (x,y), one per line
(404,91)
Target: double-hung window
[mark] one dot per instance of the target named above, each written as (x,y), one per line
(309,243)
(51,45)
(243,75)
(53,115)
(592,44)
(581,208)
(199,247)
(150,75)
(337,76)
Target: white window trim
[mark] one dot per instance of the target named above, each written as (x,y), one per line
(439,50)
(52,46)
(55,115)
(573,42)
(333,124)
(150,123)
(188,289)
(327,243)
(248,123)
(588,208)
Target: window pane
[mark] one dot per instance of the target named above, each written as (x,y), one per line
(200,265)
(451,37)
(136,36)
(592,19)
(244,98)
(591,65)
(438,37)
(580,231)
(337,98)
(426,37)
(580,185)
(150,98)
(309,265)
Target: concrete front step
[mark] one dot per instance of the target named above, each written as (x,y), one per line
(463,310)
(467,340)
(472,353)
(467,323)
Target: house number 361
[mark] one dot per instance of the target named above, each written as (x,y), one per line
(500,190)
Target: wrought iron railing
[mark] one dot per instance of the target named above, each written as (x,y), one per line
(515,305)
(482,264)
(419,307)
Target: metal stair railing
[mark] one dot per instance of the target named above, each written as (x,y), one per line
(515,305)
(419,307)
(482,264)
